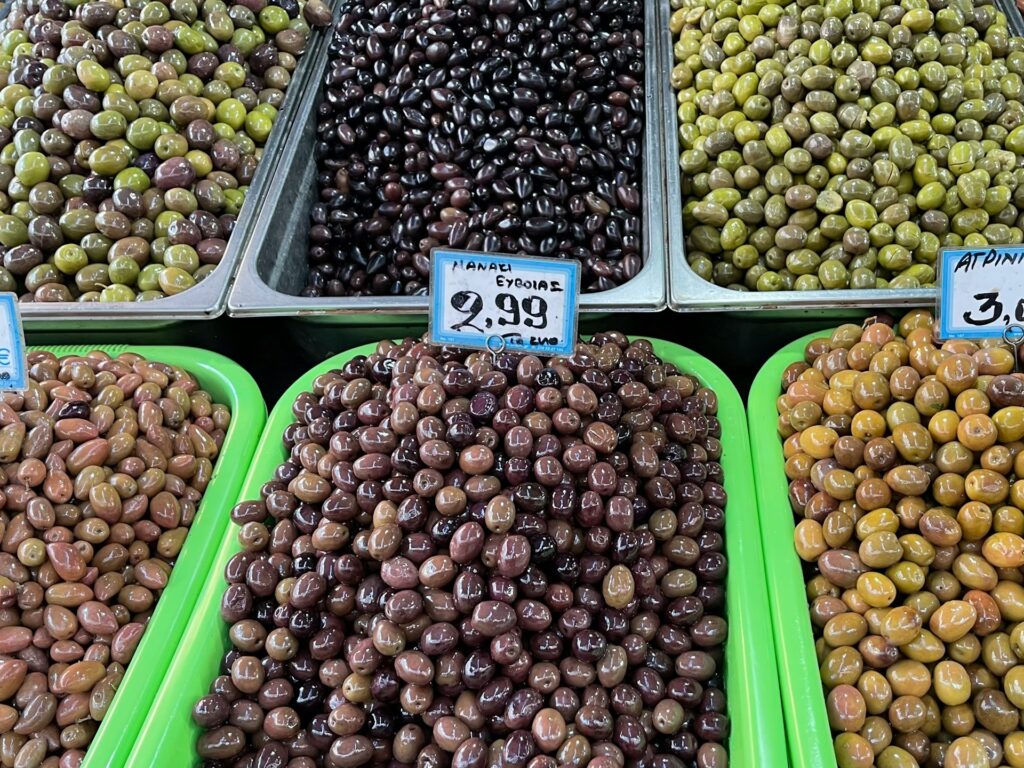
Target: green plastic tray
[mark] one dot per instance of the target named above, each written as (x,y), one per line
(803,701)
(229,384)
(757,740)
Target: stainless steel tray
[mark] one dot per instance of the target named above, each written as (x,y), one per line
(687,292)
(207,299)
(1014,20)
(273,267)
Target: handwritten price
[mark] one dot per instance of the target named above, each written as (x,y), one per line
(471,304)
(981,292)
(989,303)
(492,301)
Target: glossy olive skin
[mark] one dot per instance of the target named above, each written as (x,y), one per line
(479,552)
(133,130)
(836,146)
(911,531)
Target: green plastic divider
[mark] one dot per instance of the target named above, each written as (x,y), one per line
(231,385)
(803,701)
(757,738)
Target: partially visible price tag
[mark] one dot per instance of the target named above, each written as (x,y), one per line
(493,301)
(13,364)
(981,291)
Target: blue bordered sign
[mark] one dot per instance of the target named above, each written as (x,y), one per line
(13,365)
(495,301)
(981,291)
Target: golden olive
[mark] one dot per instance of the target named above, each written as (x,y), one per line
(876,589)
(1004,550)
(817,441)
(951,683)
(977,432)
(901,625)
(913,441)
(966,752)
(953,620)
(942,426)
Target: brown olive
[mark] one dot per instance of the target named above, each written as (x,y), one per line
(92,549)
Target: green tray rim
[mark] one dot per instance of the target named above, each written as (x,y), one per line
(754,705)
(803,700)
(232,385)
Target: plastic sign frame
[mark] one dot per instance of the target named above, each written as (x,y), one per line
(13,362)
(499,301)
(980,291)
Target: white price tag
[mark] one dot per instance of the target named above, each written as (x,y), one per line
(981,291)
(493,301)
(13,364)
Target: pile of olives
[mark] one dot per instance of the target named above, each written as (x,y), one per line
(104,462)
(474,561)
(840,144)
(905,463)
(489,125)
(129,133)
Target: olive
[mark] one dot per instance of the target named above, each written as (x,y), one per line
(526,614)
(509,177)
(92,589)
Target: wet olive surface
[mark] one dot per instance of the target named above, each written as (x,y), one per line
(129,135)
(103,464)
(513,126)
(905,461)
(839,145)
(476,561)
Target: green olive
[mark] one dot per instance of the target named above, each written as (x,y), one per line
(108,124)
(123,270)
(93,76)
(32,168)
(109,159)
(173,280)
(116,293)
(69,258)
(13,231)
(142,133)
(183,257)
(88,99)
(231,112)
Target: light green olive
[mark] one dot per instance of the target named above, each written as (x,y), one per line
(69,258)
(173,280)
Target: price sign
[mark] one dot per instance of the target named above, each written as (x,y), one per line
(13,365)
(981,291)
(493,301)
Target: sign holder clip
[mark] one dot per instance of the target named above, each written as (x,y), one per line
(497,350)
(1014,336)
